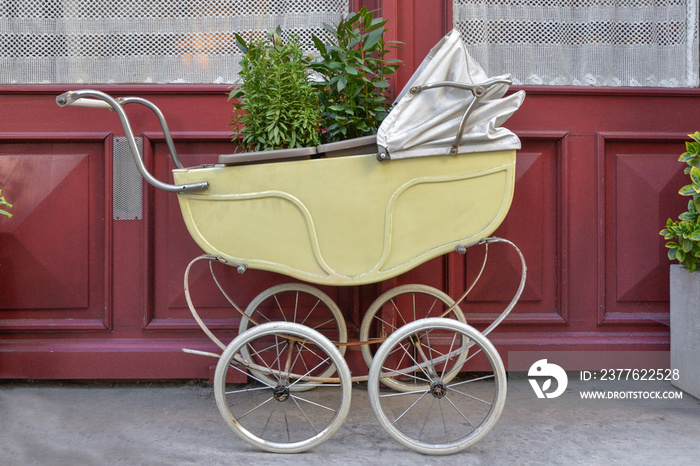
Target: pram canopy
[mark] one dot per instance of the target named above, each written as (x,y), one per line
(428,114)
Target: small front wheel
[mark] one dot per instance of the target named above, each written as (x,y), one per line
(442,416)
(267,412)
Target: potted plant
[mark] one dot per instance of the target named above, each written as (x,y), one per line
(683,245)
(275,106)
(353,88)
(278,107)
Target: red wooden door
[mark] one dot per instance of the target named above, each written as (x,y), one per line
(90,290)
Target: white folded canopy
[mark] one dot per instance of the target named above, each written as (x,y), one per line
(448,90)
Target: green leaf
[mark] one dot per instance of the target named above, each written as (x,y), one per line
(687,245)
(342,82)
(320,46)
(329,28)
(376,23)
(693,147)
(687,190)
(695,175)
(240,43)
(686,157)
(353,17)
(335,65)
(373,38)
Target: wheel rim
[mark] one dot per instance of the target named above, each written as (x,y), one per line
(400,306)
(296,303)
(272,416)
(443,417)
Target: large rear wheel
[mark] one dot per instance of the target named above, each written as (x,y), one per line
(443,416)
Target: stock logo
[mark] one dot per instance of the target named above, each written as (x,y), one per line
(546,372)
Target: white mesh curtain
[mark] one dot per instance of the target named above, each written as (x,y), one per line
(584,42)
(160,41)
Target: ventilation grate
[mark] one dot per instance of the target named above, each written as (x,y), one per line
(127,184)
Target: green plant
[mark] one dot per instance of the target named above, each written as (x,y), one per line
(685,232)
(275,106)
(4,203)
(354,90)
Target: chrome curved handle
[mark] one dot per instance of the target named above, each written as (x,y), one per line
(97,99)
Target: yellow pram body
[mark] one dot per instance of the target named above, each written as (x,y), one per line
(347,220)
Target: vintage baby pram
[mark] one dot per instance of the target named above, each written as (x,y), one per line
(441,179)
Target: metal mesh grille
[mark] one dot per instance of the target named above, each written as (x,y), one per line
(584,42)
(127,184)
(160,41)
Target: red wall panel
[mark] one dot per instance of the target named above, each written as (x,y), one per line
(85,296)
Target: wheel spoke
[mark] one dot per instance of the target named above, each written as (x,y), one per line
(318,301)
(427,314)
(256,408)
(297,397)
(398,312)
(294,399)
(386,323)
(317,327)
(416,362)
(247,390)
(309,372)
(444,368)
(473,397)
(477,379)
(444,422)
(409,408)
(425,420)
(279,306)
(415,392)
(460,412)
(296,305)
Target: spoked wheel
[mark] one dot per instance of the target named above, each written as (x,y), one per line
(447,416)
(267,412)
(302,304)
(396,308)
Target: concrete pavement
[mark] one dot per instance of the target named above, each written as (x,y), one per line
(178,423)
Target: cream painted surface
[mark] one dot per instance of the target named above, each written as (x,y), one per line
(347,220)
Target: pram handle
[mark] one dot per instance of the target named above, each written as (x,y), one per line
(478,91)
(97,99)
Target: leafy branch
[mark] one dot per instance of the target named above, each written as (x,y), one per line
(4,203)
(685,232)
(275,106)
(354,89)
